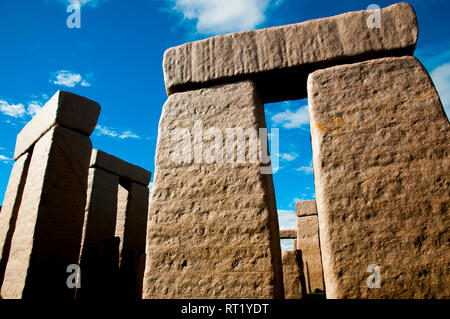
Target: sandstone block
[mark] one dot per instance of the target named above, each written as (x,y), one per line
(279,59)
(308,243)
(119,167)
(50,219)
(292,275)
(64,109)
(288,234)
(212,227)
(11,204)
(380,140)
(306,208)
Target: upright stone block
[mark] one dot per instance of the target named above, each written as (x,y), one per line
(50,218)
(98,261)
(11,204)
(213,228)
(279,59)
(292,275)
(380,142)
(64,109)
(308,243)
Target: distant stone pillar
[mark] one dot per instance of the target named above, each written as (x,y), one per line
(49,222)
(213,228)
(293,275)
(380,140)
(124,253)
(308,242)
(11,204)
(96,261)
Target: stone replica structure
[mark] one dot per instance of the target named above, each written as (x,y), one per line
(308,243)
(380,141)
(41,223)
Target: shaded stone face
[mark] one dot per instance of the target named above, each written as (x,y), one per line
(50,219)
(279,59)
(119,167)
(64,109)
(213,228)
(308,242)
(11,204)
(381,167)
(292,275)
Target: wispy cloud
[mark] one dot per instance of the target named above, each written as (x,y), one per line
(219,16)
(10,109)
(289,119)
(306,169)
(288,156)
(5,160)
(441,79)
(287,219)
(102,130)
(33,108)
(70,78)
(90,3)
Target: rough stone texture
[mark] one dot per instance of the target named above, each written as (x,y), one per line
(134,237)
(279,59)
(213,228)
(380,142)
(288,234)
(122,202)
(50,219)
(97,259)
(308,243)
(292,275)
(11,204)
(63,109)
(306,208)
(119,167)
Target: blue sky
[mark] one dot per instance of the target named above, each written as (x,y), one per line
(115,58)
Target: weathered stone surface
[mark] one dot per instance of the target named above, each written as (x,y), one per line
(213,228)
(279,59)
(119,167)
(134,238)
(292,275)
(380,142)
(122,203)
(50,219)
(308,243)
(288,234)
(97,260)
(63,109)
(11,204)
(306,208)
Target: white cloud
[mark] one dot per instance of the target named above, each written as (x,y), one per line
(441,79)
(288,156)
(33,108)
(14,110)
(306,169)
(91,3)
(5,159)
(112,132)
(289,119)
(69,79)
(287,219)
(219,16)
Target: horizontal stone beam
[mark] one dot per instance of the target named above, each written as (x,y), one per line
(115,165)
(288,234)
(306,208)
(63,109)
(279,59)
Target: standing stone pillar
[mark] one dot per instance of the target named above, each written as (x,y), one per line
(97,252)
(129,193)
(293,278)
(11,204)
(213,228)
(380,140)
(308,242)
(50,218)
